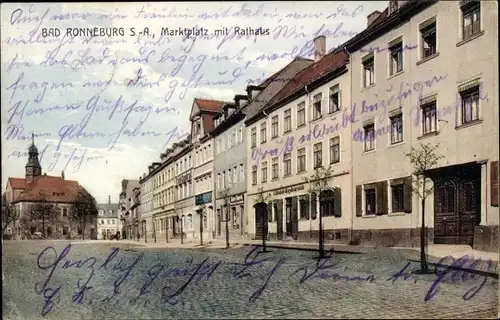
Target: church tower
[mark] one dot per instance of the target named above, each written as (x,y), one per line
(33,167)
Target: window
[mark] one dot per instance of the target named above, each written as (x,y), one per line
(263,132)
(263,172)
(471,16)
(334,99)
(304,208)
(223,179)
(274,126)
(102,221)
(234,140)
(396,128)
(253,138)
(314,207)
(317,106)
(65,212)
(429,117)
(370,202)
(393,6)
(287,120)
(396,56)
(275,168)
(287,161)
(229,180)
(242,173)
(470,105)
(235,175)
(369,133)
(189,221)
(317,153)
(335,150)
(368,71)
(205,221)
(107,222)
(254,175)
(397,198)
(218,181)
(301,114)
(428,35)
(301,160)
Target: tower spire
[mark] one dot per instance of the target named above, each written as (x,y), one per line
(32,137)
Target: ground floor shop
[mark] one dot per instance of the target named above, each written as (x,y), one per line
(461,209)
(231,216)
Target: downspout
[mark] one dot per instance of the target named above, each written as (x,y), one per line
(309,125)
(353,189)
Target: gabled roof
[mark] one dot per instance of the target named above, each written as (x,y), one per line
(274,84)
(47,188)
(201,105)
(321,68)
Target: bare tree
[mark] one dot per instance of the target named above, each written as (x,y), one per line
(225,196)
(423,158)
(83,211)
(319,186)
(9,214)
(201,213)
(43,211)
(260,204)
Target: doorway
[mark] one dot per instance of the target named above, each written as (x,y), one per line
(457,205)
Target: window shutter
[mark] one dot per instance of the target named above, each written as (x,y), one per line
(381,190)
(269,212)
(407,194)
(359,200)
(337,202)
(494,183)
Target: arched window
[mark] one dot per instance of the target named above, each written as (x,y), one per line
(190,221)
(205,221)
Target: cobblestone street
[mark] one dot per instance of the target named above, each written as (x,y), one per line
(153,283)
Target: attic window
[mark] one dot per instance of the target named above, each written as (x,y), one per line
(393,6)
(58,193)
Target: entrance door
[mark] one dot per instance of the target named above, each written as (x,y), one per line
(457,208)
(289,223)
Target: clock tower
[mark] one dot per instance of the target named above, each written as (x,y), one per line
(33,167)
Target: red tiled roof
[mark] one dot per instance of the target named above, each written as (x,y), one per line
(53,189)
(328,63)
(210,105)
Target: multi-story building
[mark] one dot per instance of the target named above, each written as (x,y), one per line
(36,192)
(398,84)
(129,203)
(298,131)
(230,150)
(149,183)
(167,194)
(421,74)
(108,223)
(184,207)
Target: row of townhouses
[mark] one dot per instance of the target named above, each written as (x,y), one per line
(421,72)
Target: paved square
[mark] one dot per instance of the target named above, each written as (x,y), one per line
(95,281)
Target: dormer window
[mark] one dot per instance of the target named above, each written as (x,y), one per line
(393,6)
(197,128)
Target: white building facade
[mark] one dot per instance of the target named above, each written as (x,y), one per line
(299,130)
(432,83)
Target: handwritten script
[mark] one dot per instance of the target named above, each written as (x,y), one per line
(129,268)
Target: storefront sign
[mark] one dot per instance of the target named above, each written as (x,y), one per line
(184,178)
(236,198)
(288,190)
(203,198)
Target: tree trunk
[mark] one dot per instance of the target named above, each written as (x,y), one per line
(321,240)
(201,228)
(43,225)
(424,268)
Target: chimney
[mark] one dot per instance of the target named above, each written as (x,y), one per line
(319,47)
(372,17)
(109,199)
(62,174)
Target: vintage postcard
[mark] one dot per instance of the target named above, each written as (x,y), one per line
(250,160)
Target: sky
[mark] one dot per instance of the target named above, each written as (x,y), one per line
(104,108)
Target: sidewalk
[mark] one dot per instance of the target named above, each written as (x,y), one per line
(434,251)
